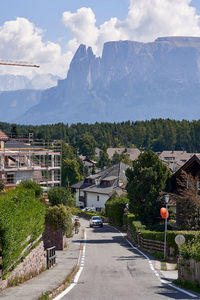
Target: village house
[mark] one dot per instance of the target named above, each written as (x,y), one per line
(88,163)
(22,159)
(174,159)
(96,189)
(191,167)
(132,153)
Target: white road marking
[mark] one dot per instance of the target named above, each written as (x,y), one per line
(155,272)
(78,274)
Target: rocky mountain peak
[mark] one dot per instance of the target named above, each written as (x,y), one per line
(131,81)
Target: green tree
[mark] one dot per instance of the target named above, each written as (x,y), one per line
(114,208)
(145,180)
(187,202)
(59,217)
(104,160)
(70,172)
(125,159)
(14,131)
(68,151)
(60,195)
(117,158)
(87,145)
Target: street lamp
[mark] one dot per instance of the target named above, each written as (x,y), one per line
(165,241)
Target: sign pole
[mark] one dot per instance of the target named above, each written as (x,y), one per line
(165,239)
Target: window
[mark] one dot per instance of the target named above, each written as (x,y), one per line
(169,158)
(198,185)
(10,178)
(97,197)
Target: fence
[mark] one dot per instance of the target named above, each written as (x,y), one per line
(148,245)
(51,256)
(151,245)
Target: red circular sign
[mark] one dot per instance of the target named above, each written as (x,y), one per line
(163,213)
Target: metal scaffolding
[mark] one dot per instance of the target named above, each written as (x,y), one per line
(38,160)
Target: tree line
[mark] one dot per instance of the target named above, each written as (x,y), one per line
(155,134)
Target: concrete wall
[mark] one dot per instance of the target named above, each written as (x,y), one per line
(78,203)
(189,270)
(33,264)
(25,175)
(92,200)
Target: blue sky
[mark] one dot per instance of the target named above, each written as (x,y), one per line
(47,14)
(48,32)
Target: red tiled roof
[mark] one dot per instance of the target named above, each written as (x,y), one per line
(3,136)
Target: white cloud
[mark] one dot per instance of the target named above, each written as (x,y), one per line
(21,40)
(146,20)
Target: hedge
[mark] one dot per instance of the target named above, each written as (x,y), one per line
(87,214)
(191,249)
(159,236)
(60,195)
(29,184)
(22,219)
(59,217)
(114,209)
(130,219)
(137,226)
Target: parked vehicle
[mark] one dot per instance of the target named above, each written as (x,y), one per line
(89,209)
(96,221)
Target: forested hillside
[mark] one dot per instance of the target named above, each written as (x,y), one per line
(156,135)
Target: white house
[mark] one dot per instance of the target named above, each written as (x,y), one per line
(96,189)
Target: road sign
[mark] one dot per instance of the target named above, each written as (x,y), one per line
(180,239)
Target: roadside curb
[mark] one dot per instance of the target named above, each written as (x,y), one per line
(165,266)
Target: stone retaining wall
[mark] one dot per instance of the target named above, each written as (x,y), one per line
(189,271)
(33,264)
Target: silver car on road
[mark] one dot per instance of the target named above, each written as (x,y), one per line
(96,221)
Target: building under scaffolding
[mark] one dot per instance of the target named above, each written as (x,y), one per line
(24,158)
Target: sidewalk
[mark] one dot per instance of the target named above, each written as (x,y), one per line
(50,279)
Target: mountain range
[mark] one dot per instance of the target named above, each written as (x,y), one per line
(131,81)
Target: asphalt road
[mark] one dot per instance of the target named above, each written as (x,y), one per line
(113,270)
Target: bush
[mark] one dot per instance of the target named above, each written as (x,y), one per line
(191,249)
(130,219)
(60,195)
(22,219)
(125,218)
(114,209)
(29,184)
(158,227)
(59,217)
(137,226)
